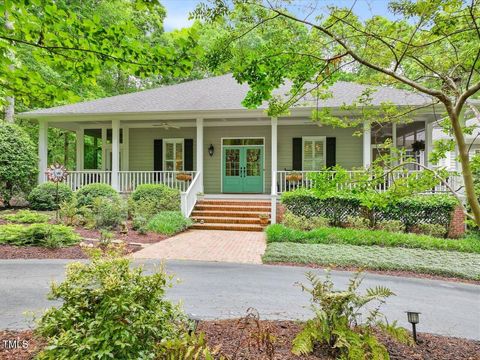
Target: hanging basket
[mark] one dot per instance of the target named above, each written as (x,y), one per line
(184,177)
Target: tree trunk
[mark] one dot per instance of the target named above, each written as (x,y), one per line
(10,109)
(464,160)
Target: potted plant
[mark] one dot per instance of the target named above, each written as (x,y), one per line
(184,177)
(264,218)
(294,177)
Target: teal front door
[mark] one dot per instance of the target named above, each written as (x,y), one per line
(242,169)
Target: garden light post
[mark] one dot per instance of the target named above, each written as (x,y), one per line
(413,318)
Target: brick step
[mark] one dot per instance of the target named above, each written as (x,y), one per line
(234,208)
(227,214)
(226,220)
(232,227)
(234,202)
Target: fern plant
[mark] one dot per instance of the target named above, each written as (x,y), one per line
(338,323)
(186,347)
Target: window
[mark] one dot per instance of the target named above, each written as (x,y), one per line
(173,154)
(314,150)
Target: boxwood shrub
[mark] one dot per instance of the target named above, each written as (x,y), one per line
(163,197)
(88,193)
(43,196)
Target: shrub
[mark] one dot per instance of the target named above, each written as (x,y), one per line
(391,226)
(86,194)
(338,325)
(142,211)
(46,235)
(109,213)
(43,197)
(164,198)
(280,233)
(18,162)
(109,310)
(357,222)
(169,223)
(69,212)
(26,217)
(303,223)
(435,230)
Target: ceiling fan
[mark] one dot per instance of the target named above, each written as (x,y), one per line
(166,126)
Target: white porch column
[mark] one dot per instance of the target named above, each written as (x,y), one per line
(104,149)
(42,150)
(200,146)
(428,141)
(115,153)
(273,219)
(126,149)
(79,160)
(367,145)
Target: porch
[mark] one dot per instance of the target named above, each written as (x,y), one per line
(243,156)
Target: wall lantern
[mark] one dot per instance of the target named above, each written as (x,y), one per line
(211,150)
(413,318)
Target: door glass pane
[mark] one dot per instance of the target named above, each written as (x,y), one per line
(169,166)
(253,162)
(179,151)
(179,165)
(313,154)
(232,162)
(169,147)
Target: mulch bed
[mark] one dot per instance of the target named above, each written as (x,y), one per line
(237,341)
(130,236)
(401,273)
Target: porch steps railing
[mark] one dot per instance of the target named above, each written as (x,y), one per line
(188,198)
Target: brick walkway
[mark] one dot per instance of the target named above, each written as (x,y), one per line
(209,245)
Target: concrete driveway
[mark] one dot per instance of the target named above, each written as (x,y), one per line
(224,290)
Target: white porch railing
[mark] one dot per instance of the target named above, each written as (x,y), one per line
(77,179)
(189,197)
(303,180)
(129,180)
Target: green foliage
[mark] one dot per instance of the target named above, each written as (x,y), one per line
(142,211)
(88,193)
(436,262)
(46,235)
(44,196)
(362,237)
(302,222)
(186,347)
(343,206)
(69,212)
(18,160)
(26,217)
(109,213)
(109,310)
(338,320)
(390,226)
(435,230)
(169,223)
(164,197)
(115,41)
(106,237)
(357,222)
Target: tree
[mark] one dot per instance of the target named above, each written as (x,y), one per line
(431,47)
(81,40)
(18,162)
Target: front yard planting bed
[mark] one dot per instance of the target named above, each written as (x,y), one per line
(435,262)
(364,237)
(239,344)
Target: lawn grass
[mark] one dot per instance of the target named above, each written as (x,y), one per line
(435,262)
(363,237)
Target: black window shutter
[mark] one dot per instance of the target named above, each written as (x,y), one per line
(331,152)
(188,155)
(158,155)
(297,154)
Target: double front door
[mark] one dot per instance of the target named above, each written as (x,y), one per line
(242,169)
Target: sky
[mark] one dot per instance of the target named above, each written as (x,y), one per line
(178,10)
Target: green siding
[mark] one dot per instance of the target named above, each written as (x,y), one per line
(349,148)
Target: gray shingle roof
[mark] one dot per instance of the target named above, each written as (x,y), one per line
(216,93)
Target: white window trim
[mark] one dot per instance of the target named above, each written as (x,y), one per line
(164,151)
(314,138)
